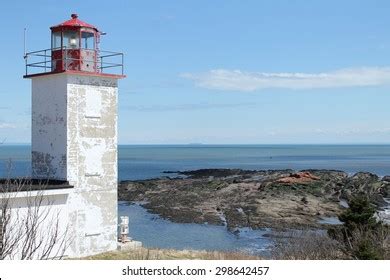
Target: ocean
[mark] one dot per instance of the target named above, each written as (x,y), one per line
(138,162)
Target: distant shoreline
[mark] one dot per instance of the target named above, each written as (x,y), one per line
(228,145)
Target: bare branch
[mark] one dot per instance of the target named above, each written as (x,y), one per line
(33,231)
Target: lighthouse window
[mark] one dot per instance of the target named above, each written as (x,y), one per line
(71,40)
(87,40)
(56,40)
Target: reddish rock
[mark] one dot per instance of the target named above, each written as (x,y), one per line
(298,178)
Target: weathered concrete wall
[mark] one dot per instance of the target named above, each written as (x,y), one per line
(49,127)
(1,233)
(75,137)
(92,162)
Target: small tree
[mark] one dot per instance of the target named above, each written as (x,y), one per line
(359,214)
(362,235)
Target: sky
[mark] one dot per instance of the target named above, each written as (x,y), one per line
(222,72)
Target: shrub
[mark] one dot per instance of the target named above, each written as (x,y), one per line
(362,236)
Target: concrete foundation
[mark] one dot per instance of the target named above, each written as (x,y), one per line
(129,245)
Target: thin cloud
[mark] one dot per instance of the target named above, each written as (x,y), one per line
(6,125)
(347,131)
(365,131)
(353,131)
(185,107)
(236,80)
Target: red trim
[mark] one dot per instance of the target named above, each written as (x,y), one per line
(72,23)
(114,76)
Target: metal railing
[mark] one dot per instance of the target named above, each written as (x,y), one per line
(39,62)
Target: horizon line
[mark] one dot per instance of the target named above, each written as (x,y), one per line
(219,144)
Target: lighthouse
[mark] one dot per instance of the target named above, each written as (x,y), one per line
(74,130)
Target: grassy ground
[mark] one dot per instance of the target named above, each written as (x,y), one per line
(165,254)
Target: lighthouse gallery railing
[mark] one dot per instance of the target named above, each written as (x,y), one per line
(41,61)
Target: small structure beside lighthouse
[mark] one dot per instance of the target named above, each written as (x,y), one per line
(74,130)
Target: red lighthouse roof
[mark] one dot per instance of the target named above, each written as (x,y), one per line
(74,22)
(74,50)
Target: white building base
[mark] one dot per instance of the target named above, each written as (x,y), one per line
(129,245)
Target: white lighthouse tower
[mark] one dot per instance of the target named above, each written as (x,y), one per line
(74,130)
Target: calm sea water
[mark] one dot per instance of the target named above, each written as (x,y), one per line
(142,162)
(155,232)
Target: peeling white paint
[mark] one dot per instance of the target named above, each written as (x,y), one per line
(93,103)
(74,138)
(49,127)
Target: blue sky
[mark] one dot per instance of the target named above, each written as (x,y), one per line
(228,72)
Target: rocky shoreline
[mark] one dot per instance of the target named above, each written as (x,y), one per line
(277,199)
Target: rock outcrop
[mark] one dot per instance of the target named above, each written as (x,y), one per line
(248,198)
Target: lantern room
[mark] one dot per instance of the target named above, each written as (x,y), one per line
(74,48)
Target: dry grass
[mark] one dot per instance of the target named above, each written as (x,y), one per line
(307,245)
(365,243)
(169,254)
